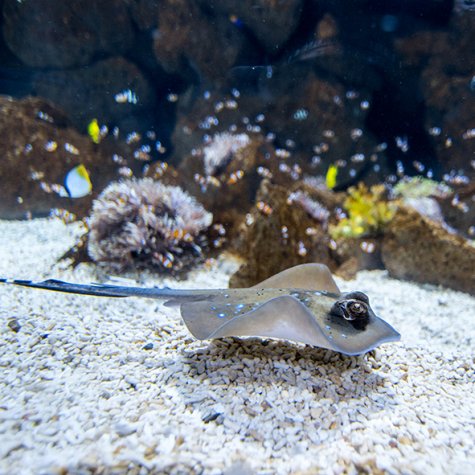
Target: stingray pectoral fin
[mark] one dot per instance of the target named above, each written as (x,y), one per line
(281,317)
(287,318)
(375,334)
(304,276)
(351,341)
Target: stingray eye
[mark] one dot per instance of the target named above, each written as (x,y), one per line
(355,309)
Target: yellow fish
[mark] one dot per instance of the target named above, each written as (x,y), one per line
(94,131)
(330,177)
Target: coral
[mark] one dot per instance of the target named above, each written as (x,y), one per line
(145,223)
(368,211)
(420,187)
(221,149)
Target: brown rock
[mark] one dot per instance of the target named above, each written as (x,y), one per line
(47,33)
(311,118)
(235,183)
(278,237)
(348,269)
(356,254)
(458,209)
(189,42)
(231,189)
(271,21)
(144,13)
(419,249)
(88,93)
(445,58)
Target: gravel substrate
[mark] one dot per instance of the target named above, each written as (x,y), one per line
(113,386)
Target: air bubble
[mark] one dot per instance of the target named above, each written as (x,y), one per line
(435,131)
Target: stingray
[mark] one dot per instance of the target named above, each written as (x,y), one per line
(301,304)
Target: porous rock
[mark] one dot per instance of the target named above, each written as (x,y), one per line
(34,156)
(45,33)
(419,249)
(278,237)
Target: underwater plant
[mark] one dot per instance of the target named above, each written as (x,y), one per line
(220,150)
(146,223)
(367,212)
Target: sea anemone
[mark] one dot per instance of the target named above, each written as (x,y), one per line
(141,222)
(220,150)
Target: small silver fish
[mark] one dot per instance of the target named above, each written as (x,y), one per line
(301,304)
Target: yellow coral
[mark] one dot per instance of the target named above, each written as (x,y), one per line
(368,211)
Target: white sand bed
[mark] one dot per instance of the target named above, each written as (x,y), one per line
(80,394)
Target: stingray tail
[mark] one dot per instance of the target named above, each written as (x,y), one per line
(99,290)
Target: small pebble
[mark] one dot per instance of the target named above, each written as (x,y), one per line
(124,429)
(14,325)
